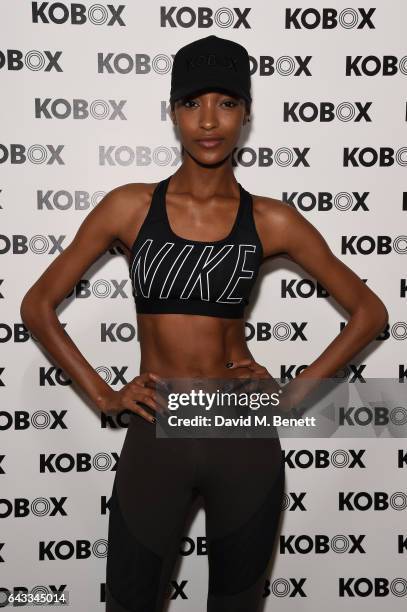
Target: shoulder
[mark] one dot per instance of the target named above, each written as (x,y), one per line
(285,230)
(127,196)
(275,220)
(128,199)
(124,208)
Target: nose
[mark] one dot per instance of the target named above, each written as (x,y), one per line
(208,116)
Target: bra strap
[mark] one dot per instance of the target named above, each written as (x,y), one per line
(246,218)
(156,212)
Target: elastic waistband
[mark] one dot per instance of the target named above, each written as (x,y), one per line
(169,306)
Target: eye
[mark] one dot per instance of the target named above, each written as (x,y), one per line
(232,102)
(186,101)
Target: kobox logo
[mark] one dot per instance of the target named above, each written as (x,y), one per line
(14,59)
(64,550)
(21,507)
(379,416)
(204,17)
(329,18)
(263,331)
(371,65)
(367,157)
(18,153)
(352,372)
(377,501)
(78,108)
(101,288)
(19,244)
(321,458)
(380,245)
(302,288)
(21,420)
(321,544)
(325,201)
(77,14)
(138,63)
(80,462)
(372,587)
(141,155)
(284,65)
(66,200)
(53,376)
(326,112)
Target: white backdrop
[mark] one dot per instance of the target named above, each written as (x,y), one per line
(84,108)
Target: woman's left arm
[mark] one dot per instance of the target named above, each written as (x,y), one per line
(285,230)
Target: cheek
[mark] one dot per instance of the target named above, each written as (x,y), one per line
(232,123)
(187,128)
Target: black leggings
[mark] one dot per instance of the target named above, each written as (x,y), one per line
(241,481)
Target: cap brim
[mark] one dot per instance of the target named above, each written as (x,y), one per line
(182,92)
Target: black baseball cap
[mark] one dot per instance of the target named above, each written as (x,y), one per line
(211,63)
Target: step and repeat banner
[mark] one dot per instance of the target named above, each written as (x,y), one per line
(84,108)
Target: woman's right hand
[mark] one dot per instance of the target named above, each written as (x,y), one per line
(137,392)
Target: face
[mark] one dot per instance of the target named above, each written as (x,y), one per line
(207,116)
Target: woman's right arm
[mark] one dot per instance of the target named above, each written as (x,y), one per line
(100,228)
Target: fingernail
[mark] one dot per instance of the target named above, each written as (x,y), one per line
(153,420)
(229,364)
(164,384)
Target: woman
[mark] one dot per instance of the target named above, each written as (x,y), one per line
(196,240)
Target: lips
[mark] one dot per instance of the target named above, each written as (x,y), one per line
(209,143)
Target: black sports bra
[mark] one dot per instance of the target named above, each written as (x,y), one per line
(171,274)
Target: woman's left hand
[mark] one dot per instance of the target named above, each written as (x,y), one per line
(256,369)
(288,400)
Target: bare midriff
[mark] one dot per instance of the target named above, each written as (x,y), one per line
(190,346)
